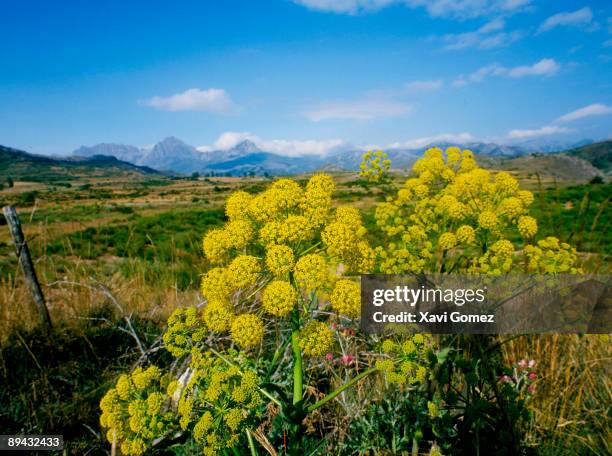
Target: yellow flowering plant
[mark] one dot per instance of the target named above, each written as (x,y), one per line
(283,272)
(375,166)
(136,411)
(453,216)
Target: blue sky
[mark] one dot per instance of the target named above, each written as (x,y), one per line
(306,76)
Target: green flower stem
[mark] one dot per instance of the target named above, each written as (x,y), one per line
(312,247)
(347,385)
(298,374)
(298,387)
(251,444)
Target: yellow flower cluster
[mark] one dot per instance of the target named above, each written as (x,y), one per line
(279,246)
(454,215)
(133,411)
(219,243)
(184,330)
(244,271)
(247,330)
(218,315)
(551,256)
(498,260)
(375,165)
(344,239)
(311,271)
(346,298)
(218,403)
(316,339)
(280,259)
(279,298)
(405,360)
(527,226)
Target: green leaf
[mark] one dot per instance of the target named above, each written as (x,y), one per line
(442,355)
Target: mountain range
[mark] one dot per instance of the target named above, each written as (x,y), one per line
(575,164)
(173,155)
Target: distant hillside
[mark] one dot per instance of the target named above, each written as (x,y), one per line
(598,154)
(20,165)
(557,166)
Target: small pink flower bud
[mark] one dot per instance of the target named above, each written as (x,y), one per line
(329,357)
(522,363)
(531,388)
(532,363)
(347,359)
(533,376)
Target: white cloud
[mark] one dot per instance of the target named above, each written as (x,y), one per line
(346,6)
(416,143)
(545,67)
(480,74)
(537,132)
(436,8)
(423,86)
(595,109)
(490,35)
(294,148)
(212,100)
(231,138)
(365,109)
(581,17)
(286,147)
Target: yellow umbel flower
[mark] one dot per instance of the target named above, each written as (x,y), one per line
(216,245)
(466,234)
(487,220)
(525,196)
(243,271)
(218,315)
(247,330)
(311,271)
(505,183)
(503,247)
(279,259)
(239,233)
(388,346)
(237,205)
(346,298)
(434,411)
(551,257)
(316,339)
(340,239)
(349,216)
(527,226)
(447,241)
(321,185)
(295,228)
(511,207)
(279,298)
(375,165)
(216,284)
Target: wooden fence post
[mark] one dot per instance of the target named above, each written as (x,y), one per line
(23,255)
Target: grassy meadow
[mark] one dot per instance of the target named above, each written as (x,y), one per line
(116,255)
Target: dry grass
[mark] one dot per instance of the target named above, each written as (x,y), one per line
(571,407)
